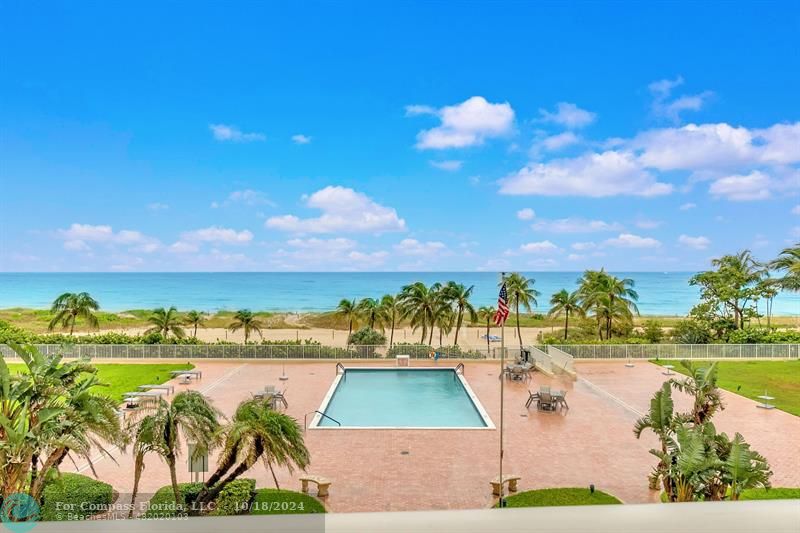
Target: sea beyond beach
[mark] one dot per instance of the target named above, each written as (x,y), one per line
(660,293)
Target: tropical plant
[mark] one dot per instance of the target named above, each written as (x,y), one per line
(565,303)
(166,321)
(195,319)
(70,306)
(520,293)
(486,315)
(444,319)
(256,432)
(458,296)
(392,311)
(421,304)
(46,414)
(367,337)
(248,322)
(348,310)
(653,331)
(190,415)
(372,311)
(608,298)
(788,262)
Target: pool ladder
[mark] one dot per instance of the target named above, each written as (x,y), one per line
(460,366)
(305,419)
(338,366)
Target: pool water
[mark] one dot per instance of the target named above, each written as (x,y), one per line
(403,398)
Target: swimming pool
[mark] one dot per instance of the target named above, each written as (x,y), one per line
(409,398)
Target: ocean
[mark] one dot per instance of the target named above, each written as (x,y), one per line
(667,293)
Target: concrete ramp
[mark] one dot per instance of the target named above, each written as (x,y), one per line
(562,362)
(541,360)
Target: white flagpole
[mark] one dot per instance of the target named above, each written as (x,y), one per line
(502,390)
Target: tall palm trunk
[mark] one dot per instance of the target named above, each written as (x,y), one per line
(195,331)
(274,477)
(458,324)
(610,315)
(519,331)
(566,324)
(173,475)
(488,346)
(72,323)
(350,330)
(424,334)
(391,335)
(137,475)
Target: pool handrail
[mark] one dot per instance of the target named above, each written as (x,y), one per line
(305,419)
(338,366)
(461,367)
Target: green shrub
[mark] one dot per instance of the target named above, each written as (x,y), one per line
(753,335)
(690,332)
(162,504)
(75,497)
(653,331)
(367,337)
(235,498)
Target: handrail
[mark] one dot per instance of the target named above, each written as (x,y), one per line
(460,366)
(305,419)
(338,366)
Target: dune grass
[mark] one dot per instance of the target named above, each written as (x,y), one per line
(751,379)
(560,497)
(121,378)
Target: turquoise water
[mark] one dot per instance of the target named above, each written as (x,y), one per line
(659,293)
(401,398)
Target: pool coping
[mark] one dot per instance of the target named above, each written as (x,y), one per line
(476,403)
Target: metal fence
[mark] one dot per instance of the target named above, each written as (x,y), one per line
(315,351)
(682,351)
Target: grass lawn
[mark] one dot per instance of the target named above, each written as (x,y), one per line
(775,493)
(122,378)
(273,501)
(559,497)
(780,379)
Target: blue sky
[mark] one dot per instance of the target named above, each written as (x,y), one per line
(413,136)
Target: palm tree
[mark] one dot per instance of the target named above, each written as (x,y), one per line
(69,307)
(256,432)
(660,419)
(191,415)
(444,319)
(788,261)
(246,320)
(565,303)
(610,297)
(166,321)
(420,304)
(348,310)
(458,295)
(486,314)
(521,293)
(195,319)
(392,312)
(371,310)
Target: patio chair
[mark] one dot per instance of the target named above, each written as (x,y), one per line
(276,398)
(545,401)
(531,397)
(560,399)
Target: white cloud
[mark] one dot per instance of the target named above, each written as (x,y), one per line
(568,115)
(301,139)
(526,214)
(575,225)
(560,140)
(796,210)
(543,262)
(248,197)
(415,110)
(596,175)
(321,254)
(646,223)
(228,133)
(450,166)
(415,247)
(157,206)
(629,240)
(78,236)
(576,257)
(697,243)
(663,106)
(687,206)
(541,247)
(469,123)
(343,210)
(181,247)
(753,186)
(217,234)
(580,246)
(337,244)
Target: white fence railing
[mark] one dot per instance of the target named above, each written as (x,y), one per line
(560,354)
(681,351)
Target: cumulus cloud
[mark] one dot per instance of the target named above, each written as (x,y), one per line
(560,140)
(450,166)
(629,240)
(595,175)
(215,234)
(697,243)
(541,247)
(568,115)
(469,123)
(738,188)
(666,106)
(687,206)
(581,246)
(575,225)
(301,139)
(228,133)
(343,210)
(316,253)
(78,236)
(415,247)
(526,214)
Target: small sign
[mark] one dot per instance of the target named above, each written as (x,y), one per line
(198,458)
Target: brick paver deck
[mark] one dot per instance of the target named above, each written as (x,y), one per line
(451,469)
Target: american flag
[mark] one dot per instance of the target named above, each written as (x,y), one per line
(502,306)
